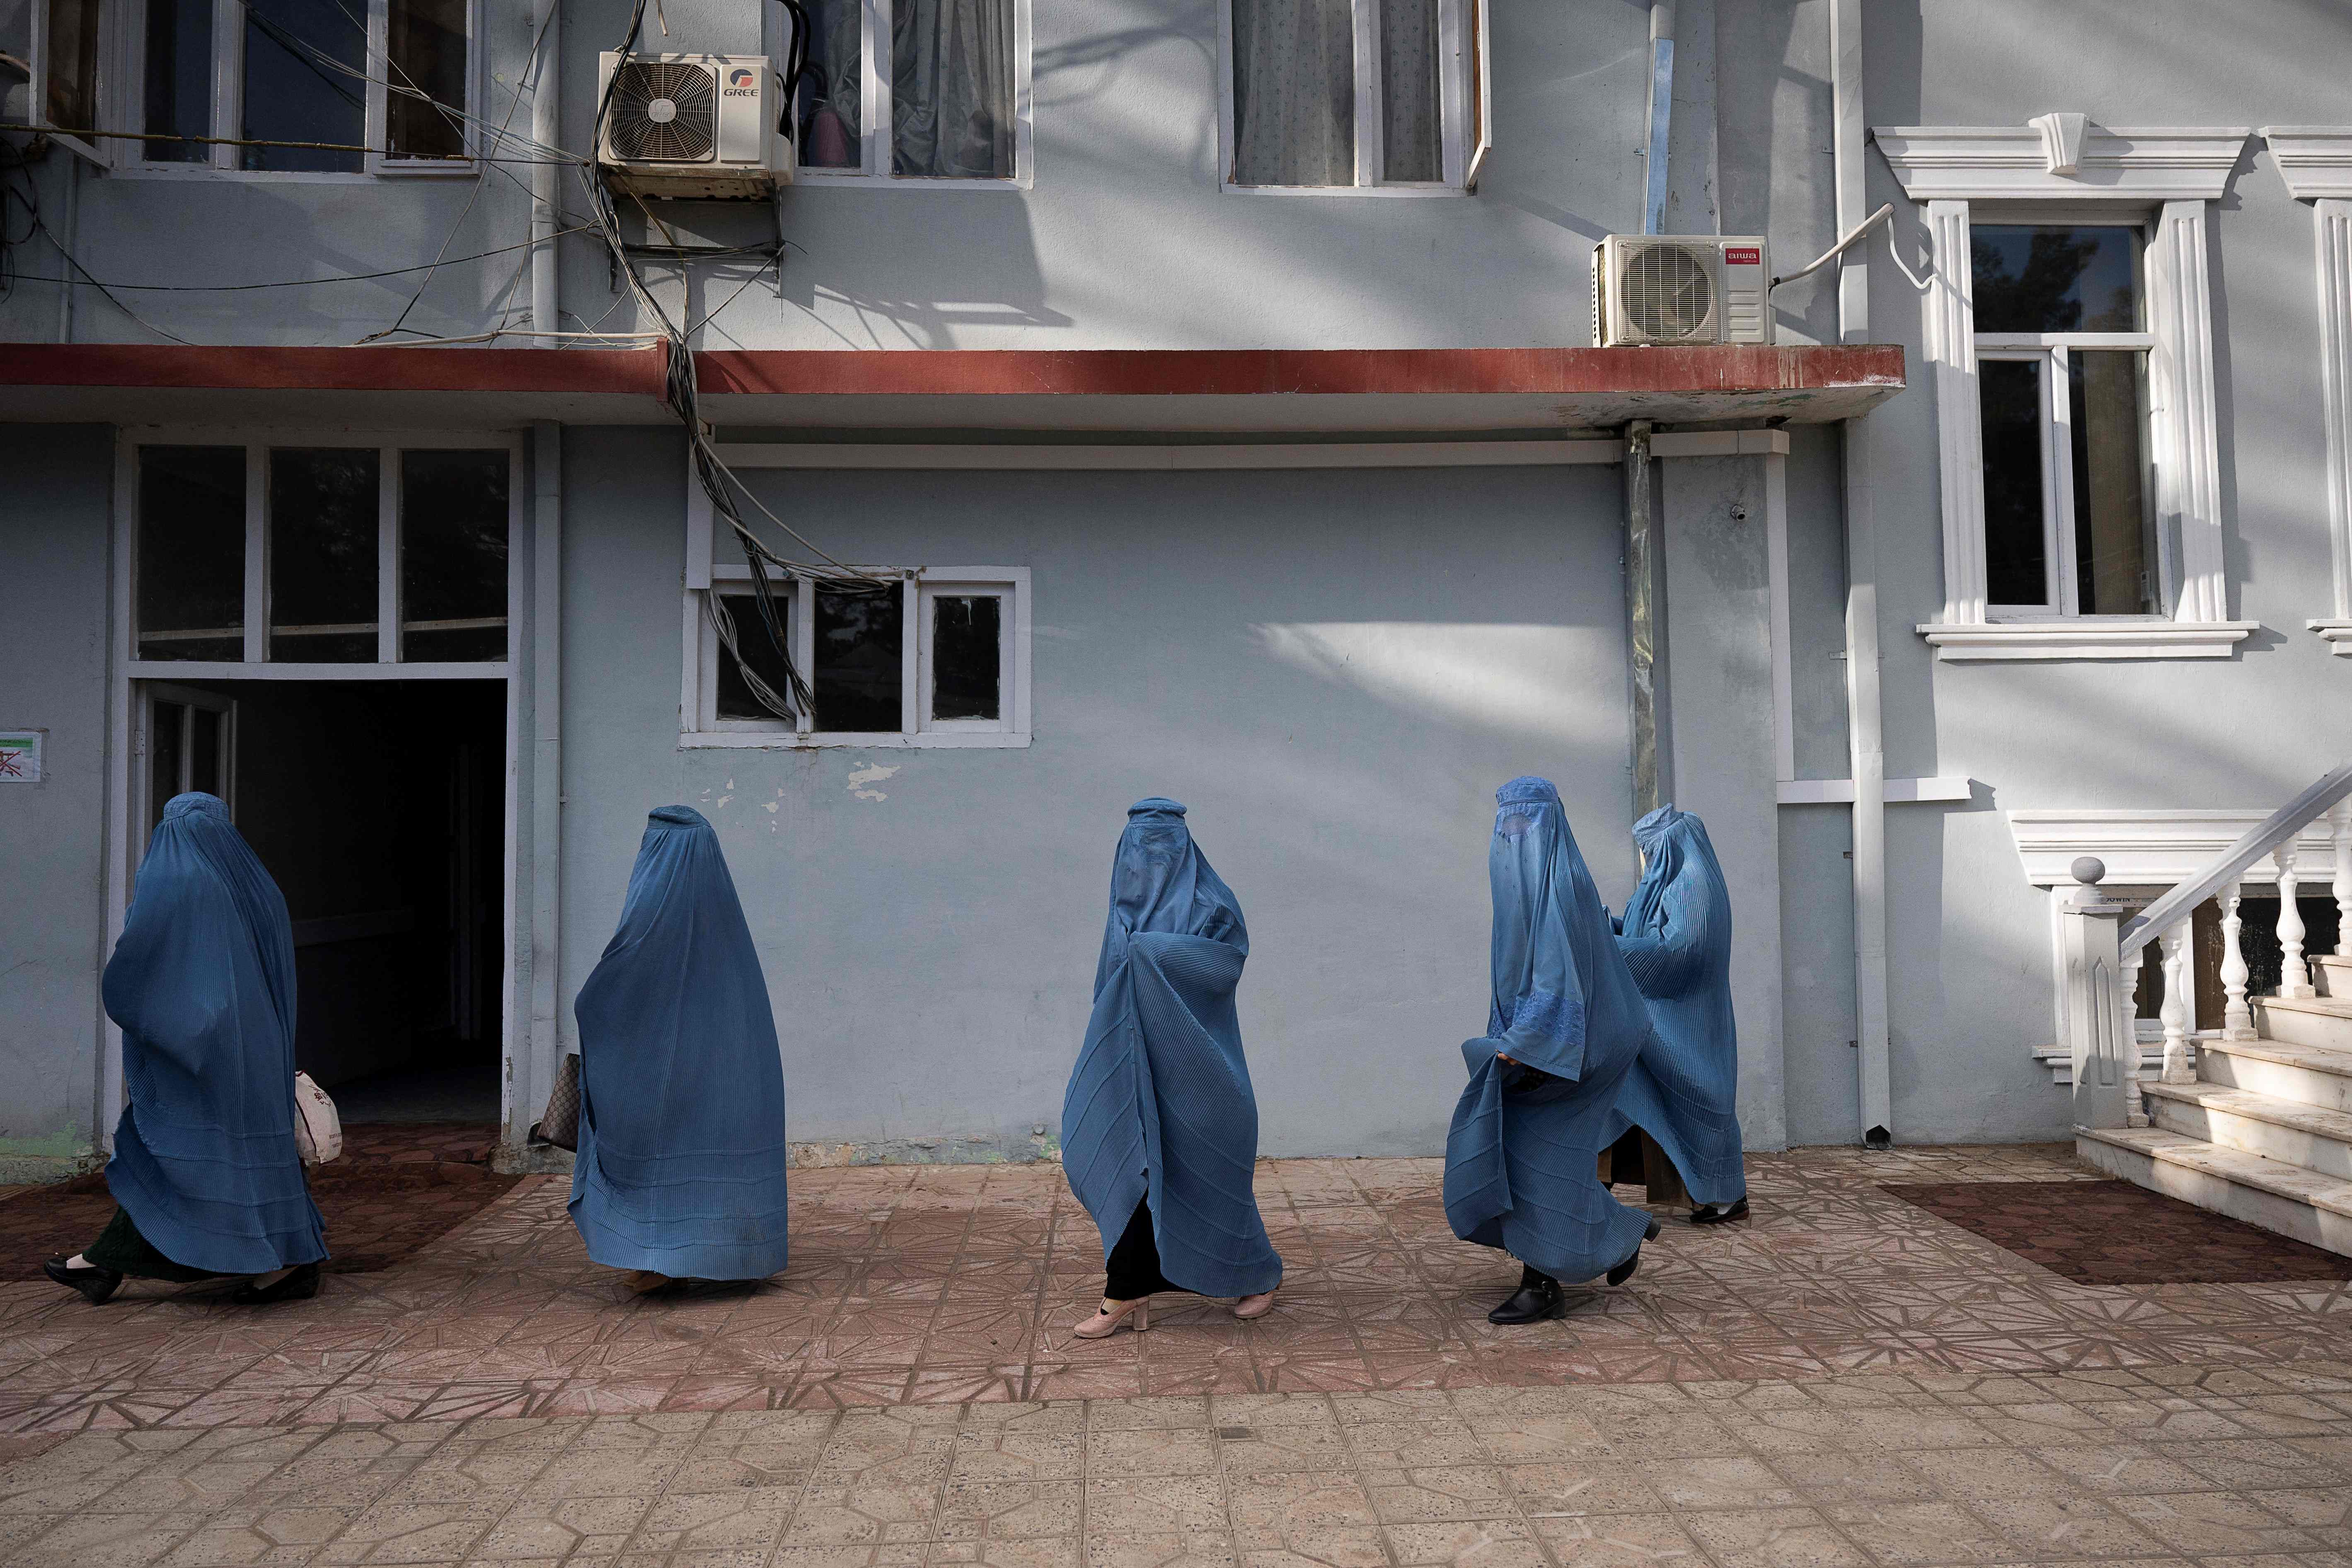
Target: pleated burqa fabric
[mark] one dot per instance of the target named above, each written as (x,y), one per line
(682,1158)
(1521,1156)
(202,983)
(1676,938)
(1160,1104)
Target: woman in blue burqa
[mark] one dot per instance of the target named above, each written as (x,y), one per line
(206,1176)
(680,1169)
(1159,1125)
(1679,1103)
(1566,1023)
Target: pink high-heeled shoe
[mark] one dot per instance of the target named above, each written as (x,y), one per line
(1256,1306)
(1111,1314)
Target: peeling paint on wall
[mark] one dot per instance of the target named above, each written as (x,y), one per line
(872,772)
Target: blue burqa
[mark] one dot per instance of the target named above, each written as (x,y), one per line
(682,1158)
(1160,1103)
(203,985)
(1521,1157)
(1676,938)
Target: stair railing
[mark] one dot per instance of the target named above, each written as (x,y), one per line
(2101,953)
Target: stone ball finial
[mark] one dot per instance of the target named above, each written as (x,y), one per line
(2088,869)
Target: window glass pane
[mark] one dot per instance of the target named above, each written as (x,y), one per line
(453,555)
(305,64)
(2016,553)
(735,698)
(832,87)
(951,89)
(178,79)
(425,43)
(1294,92)
(966,656)
(2114,558)
(322,542)
(72,84)
(205,751)
(860,670)
(2056,279)
(165,736)
(190,569)
(1408,95)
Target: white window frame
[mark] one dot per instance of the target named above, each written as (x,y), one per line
(2060,169)
(129,103)
(873,171)
(1466,106)
(2315,163)
(37,89)
(256,665)
(222,710)
(701,725)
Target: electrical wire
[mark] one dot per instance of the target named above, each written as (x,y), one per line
(304,282)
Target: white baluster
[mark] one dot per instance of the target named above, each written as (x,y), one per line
(2339,823)
(2237,1017)
(2179,1019)
(2294,976)
(2136,1106)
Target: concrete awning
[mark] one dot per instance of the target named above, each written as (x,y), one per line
(1236,390)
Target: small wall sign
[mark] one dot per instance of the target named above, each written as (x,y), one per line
(20,755)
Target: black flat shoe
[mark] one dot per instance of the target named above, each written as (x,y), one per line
(1536,1298)
(1624,1271)
(97,1284)
(298,1286)
(1720,1213)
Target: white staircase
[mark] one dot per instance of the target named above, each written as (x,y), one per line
(2263,1133)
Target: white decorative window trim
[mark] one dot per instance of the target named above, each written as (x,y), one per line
(2316,162)
(1976,642)
(2154,847)
(2051,170)
(2063,157)
(699,728)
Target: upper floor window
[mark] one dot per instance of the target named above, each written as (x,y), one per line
(1354,94)
(374,86)
(321,555)
(2062,350)
(916,90)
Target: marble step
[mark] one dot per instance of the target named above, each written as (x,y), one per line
(2323,1021)
(2308,1075)
(2332,974)
(2286,1199)
(2284,1129)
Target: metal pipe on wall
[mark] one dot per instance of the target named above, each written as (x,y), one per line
(546,131)
(1863,713)
(1661,115)
(545,717)
(1653,760)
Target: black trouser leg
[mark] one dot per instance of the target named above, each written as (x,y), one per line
(1532,1276)
(1133,1267)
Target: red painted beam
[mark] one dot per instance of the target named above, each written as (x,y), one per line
(1169,372)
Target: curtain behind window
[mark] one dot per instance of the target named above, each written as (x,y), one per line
(951,89)
(1294,92)
(1410,148)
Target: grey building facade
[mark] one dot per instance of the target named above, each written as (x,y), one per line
(1183,448)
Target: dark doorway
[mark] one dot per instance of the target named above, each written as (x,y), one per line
(378,808)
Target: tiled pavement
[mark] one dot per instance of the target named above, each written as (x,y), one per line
(1847,1380)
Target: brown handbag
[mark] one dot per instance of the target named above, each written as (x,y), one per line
(559,1123)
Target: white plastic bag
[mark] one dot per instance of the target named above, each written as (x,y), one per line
(317,1131)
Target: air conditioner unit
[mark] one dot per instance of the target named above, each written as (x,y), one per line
(1650,289)
(693,126)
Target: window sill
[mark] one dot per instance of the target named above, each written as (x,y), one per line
(2085,640)
(782,741)
(850,179)
(274,176)
(1232,189)
(2336,634)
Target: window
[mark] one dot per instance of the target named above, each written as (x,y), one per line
(186,735)
(951,105)
(939,659)
(66,55)
(1354,94)
(319,555)
(392,76)
(2062,385)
